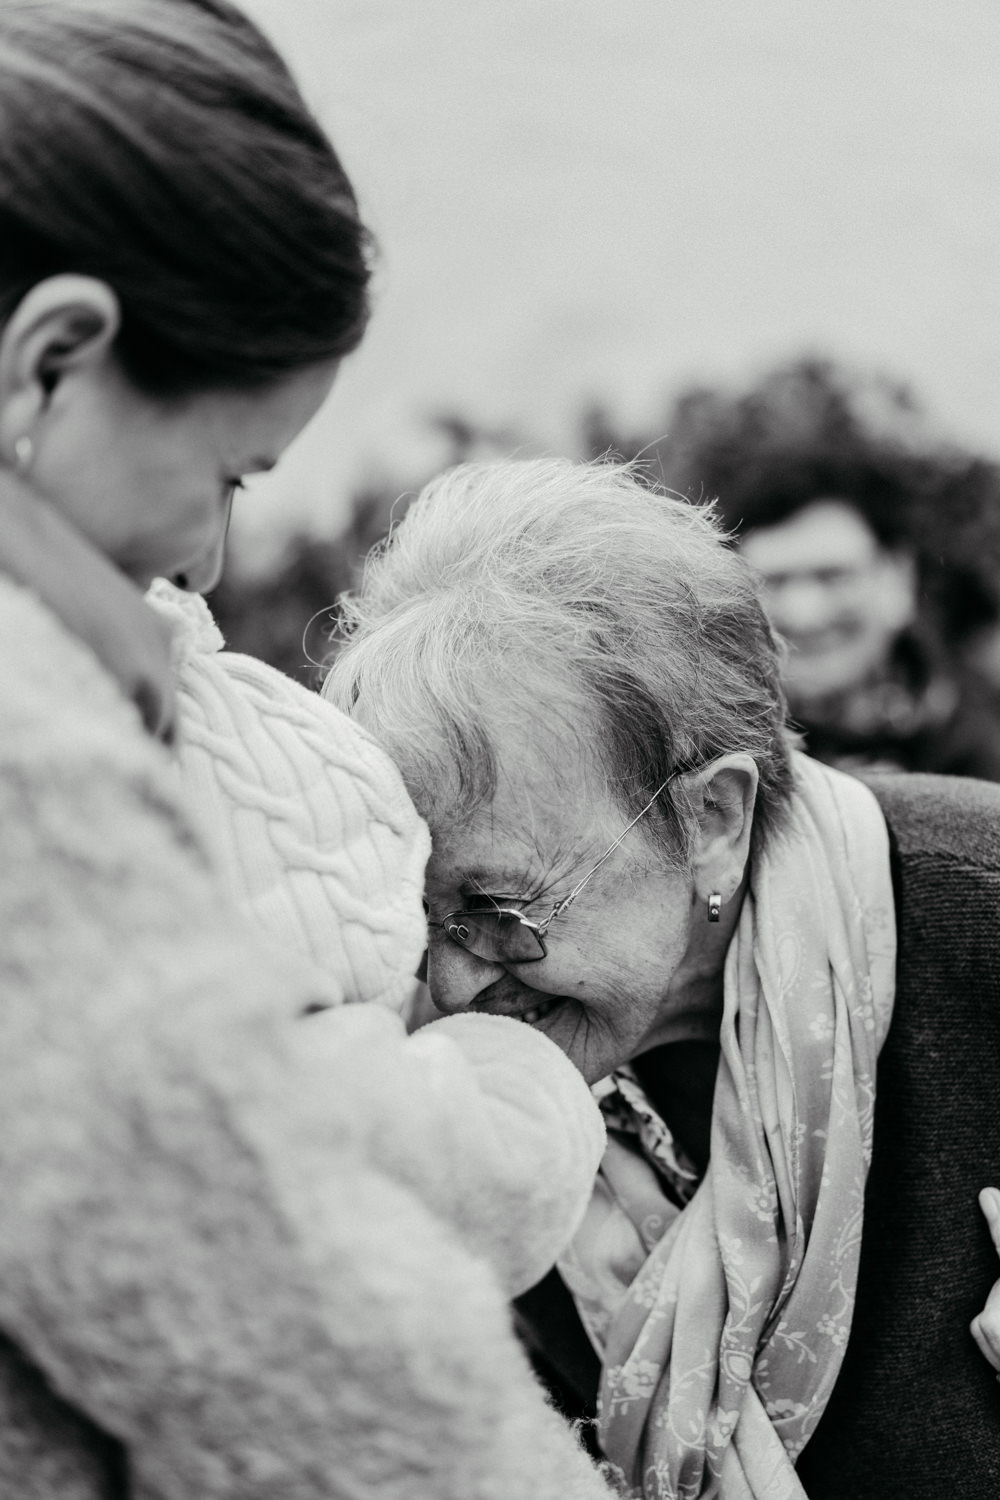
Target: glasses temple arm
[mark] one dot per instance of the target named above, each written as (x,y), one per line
(568,900)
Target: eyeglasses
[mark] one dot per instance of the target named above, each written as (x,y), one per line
(504,935)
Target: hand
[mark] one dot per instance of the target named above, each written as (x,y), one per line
(97,603)
(985,1328)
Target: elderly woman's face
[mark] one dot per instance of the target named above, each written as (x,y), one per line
(613,981)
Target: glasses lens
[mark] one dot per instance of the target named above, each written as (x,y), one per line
(497,936)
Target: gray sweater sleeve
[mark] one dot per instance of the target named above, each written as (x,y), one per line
(194,1251)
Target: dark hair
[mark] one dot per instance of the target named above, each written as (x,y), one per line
(771,488)
(163,147)
(812,429)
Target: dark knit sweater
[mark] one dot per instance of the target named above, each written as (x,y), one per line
(916,1411)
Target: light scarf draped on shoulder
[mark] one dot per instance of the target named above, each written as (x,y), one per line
(720,1354)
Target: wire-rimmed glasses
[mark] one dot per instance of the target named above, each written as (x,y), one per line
(502,934)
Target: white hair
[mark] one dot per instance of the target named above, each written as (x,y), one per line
(559,593)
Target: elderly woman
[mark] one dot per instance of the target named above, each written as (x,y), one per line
(780,982)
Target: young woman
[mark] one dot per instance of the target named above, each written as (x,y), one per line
(217,1273)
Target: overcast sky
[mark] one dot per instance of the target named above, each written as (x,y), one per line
(614,198)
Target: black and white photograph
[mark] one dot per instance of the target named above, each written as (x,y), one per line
(499,750)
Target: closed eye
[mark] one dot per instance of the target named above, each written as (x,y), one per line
(479,901)
(494,901)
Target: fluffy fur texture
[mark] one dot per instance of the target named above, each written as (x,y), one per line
(206,1282)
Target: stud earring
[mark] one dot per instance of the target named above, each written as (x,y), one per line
(714,907)
(24,452)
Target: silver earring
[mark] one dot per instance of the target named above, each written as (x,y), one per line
(714,907)
(24,452)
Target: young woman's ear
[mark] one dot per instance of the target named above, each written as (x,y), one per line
(724,795)
(64,325)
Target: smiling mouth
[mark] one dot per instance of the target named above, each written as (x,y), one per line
(506,997)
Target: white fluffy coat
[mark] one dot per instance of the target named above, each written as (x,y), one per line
(210,1283)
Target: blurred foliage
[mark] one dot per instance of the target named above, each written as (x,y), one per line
(285,615)
(807,418)
(811,428)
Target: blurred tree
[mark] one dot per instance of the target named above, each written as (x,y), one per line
(878,546)
(286,614)
(811,419)
(943,500)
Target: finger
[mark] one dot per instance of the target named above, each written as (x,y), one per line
(989,1202)
(987,1337)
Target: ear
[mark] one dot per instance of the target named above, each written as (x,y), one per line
(898,588)
(723,794)
(64,325)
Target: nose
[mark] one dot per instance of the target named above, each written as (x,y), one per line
(203,575)
(801,605)
(455,977)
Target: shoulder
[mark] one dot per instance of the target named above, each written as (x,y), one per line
(85,793)
(40,661)
(945,841)
(59,702)
(947,819)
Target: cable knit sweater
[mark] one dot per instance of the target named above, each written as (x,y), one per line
(217,1274)
(310,824)
(319,844)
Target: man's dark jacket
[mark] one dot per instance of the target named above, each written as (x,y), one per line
(915,1414)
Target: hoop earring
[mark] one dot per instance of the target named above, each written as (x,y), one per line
(714,907)
(24,453)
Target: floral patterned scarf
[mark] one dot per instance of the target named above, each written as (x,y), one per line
(724,1323)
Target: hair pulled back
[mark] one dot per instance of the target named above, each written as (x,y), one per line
(163,147)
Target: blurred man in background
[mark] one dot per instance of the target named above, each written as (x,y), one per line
(880,553)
